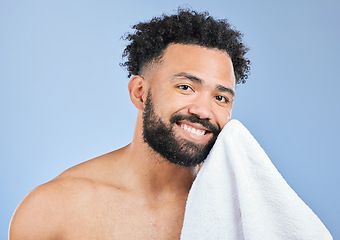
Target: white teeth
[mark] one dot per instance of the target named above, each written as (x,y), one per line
(200,132)
(193,130)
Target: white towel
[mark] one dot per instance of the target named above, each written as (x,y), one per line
(239,194)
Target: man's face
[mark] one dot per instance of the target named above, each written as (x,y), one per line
(190,97)
(161,137)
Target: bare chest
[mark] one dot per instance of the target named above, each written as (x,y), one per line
(126,219)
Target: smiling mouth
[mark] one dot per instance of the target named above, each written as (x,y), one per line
(193,130)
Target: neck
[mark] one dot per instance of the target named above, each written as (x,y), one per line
(152,175)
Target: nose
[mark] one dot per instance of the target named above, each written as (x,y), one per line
(201,107)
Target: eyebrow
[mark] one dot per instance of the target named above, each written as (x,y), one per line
(200,81)
(189,76)
(224,89)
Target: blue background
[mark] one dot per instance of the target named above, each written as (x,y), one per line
(64,98)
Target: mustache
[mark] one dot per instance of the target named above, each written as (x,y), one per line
(195,119)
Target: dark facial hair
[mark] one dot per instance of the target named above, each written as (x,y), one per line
(161,138)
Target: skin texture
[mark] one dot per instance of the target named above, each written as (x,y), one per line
(133,192)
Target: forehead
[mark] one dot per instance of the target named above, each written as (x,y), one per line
(205,63)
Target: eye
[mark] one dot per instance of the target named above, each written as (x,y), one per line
(222,99)
(185,87)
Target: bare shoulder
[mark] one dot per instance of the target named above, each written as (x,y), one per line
(50,210)
(40,214)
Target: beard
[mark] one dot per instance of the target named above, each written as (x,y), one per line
(161,137)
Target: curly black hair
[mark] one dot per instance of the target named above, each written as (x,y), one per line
(150,40)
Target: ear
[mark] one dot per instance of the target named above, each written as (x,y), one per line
(137,90)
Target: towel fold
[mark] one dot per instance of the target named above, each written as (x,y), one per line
(239,194)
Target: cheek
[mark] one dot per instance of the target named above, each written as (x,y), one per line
(165,106)
(176,102)
(223,116)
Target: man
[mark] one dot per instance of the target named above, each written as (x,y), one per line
(184,68)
